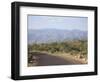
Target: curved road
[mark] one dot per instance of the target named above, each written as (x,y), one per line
(45,60)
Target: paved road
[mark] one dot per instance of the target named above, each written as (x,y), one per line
(45,60)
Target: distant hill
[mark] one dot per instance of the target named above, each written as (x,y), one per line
(55,35)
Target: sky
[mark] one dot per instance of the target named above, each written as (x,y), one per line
(57,22)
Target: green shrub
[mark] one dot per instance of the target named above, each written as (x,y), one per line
(73,47)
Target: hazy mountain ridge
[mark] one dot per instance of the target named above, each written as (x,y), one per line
(55,35)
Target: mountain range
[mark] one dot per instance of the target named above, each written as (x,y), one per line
(54,35)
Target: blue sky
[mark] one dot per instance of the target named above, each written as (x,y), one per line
(57,22)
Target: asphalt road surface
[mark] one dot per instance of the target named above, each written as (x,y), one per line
(45,60)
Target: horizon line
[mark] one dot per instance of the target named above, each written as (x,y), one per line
(57,29)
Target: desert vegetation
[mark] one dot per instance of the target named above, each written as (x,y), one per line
(75,48)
